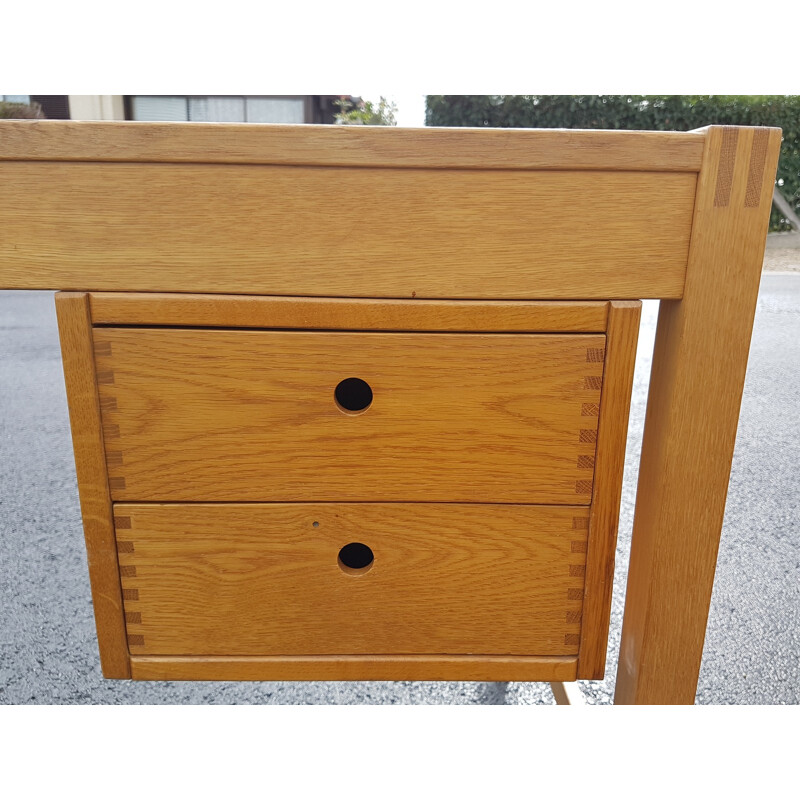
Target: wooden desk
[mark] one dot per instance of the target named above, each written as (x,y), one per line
(351,403)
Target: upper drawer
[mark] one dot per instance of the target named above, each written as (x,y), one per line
(234,415)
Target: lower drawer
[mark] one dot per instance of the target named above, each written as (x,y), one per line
(321,579)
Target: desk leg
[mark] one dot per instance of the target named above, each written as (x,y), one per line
(699,365)
(567,694)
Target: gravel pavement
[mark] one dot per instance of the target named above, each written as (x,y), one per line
(48,651)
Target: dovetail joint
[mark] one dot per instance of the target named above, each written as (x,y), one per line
(114,459)
(592,382)
(727,161)
(755,172)
(595,354)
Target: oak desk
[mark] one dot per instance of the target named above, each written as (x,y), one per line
(351,403)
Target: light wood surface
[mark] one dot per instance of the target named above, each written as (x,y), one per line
(621,340)
(238,311)
(698,373)
(193,415)
(404,233)
(354,668)
(264,579)
(567,694)
(331,145)
(74,326)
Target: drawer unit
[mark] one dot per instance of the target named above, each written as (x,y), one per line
(310,488)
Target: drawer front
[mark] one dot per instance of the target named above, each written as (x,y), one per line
(233,415)
(252,579)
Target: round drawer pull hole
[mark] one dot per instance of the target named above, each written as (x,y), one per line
(353,395)
(356,558)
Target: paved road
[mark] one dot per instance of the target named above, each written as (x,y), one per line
(47,640)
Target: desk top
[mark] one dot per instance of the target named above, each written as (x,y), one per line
(350,146)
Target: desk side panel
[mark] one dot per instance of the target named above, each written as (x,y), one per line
(74,325)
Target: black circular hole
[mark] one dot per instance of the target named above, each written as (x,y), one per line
(356,556)
(353,394)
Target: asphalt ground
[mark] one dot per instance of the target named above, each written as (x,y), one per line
(48,651)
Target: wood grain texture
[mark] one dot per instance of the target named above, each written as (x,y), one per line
(330,145)
(353,668)
(241,311)
(226,415)
(621,340)
(698,372)
(263,579)
(329,231)
(74,326)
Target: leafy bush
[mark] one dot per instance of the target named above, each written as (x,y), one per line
(365,112)
(635,112)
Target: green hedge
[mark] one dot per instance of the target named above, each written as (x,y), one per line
(635,112)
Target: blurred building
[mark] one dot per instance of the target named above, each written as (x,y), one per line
(309,108)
